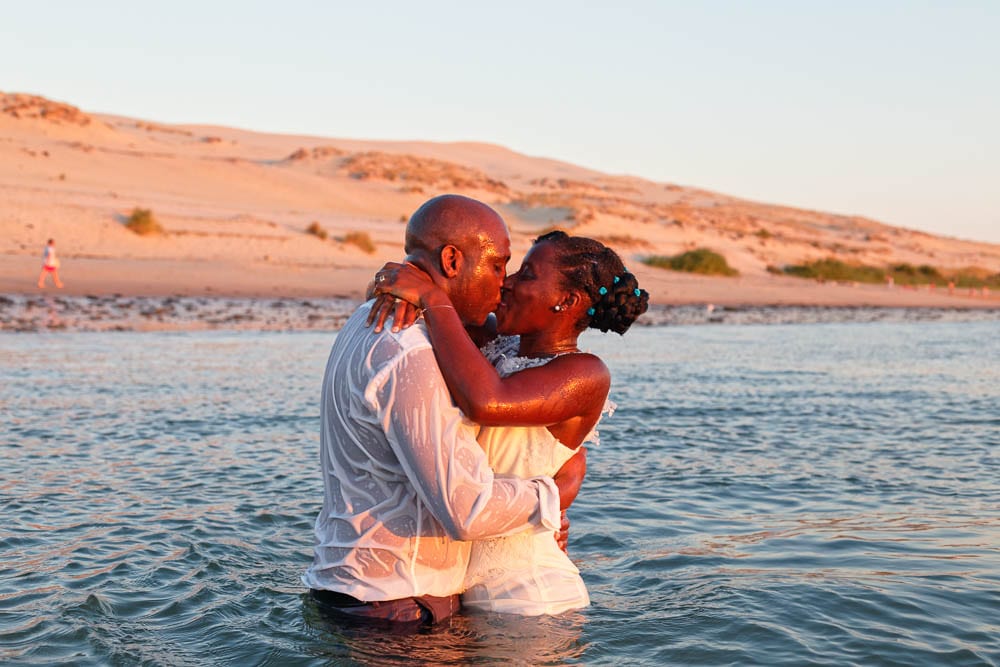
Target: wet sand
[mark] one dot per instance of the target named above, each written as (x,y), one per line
(54,313)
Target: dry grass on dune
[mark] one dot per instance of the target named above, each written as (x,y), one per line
(420,174)
(19,105)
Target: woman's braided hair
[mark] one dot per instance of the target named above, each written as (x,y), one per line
(597,270)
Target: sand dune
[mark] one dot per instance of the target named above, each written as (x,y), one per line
(235,206)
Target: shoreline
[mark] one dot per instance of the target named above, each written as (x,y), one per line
(121,313)
(149,277)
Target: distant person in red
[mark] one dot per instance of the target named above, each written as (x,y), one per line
(50,264)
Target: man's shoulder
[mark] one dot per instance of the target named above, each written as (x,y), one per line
(414,337)
(386,345)
(388,354)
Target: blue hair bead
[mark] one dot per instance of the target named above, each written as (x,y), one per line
(617,280)
(603,291)
(590,311)
(636,291)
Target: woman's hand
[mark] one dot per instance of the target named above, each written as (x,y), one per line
(400,290)
(404,281)
(403,313)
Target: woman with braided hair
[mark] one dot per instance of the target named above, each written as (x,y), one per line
(537,397)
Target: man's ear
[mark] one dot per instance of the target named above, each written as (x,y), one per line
(451,261)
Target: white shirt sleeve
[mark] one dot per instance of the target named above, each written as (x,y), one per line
(437,448)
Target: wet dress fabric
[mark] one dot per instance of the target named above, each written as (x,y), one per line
(526,573)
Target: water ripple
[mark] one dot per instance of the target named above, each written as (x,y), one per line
(812,494)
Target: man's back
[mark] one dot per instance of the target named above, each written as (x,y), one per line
(404,480)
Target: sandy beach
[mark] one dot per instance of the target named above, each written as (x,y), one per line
(234,208)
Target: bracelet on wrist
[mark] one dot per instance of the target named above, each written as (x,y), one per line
(424,310)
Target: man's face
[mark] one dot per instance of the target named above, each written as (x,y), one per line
(477,289)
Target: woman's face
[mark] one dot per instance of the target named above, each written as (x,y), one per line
(529,296)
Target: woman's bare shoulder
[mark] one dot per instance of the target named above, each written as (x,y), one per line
(582,368)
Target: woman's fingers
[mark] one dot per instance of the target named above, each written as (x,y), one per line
(403,313)
(412,313)
(384,305)
(397,289)
(398,313)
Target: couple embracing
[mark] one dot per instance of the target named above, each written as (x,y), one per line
(451,449)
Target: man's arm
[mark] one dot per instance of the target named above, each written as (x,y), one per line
(439,453)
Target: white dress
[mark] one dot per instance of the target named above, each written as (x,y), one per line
(526,573)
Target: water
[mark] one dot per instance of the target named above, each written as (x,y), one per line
(785,494)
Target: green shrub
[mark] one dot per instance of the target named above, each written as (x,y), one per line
(142,222)
(907,274)
(702,261)
(361,240)
(974,278)
(316,230)
(901,274)
(834,269)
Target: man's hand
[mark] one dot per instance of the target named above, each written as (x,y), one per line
(562,536)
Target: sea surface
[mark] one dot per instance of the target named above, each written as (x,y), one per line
(782,494)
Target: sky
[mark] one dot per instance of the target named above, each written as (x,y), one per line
(889,110)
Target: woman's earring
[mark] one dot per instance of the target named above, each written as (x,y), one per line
(557,307)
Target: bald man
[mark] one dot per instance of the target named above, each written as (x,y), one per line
(406,485)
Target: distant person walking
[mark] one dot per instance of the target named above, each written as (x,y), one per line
(50,264)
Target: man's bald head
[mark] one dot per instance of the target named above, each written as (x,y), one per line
(464,245)
(452,220)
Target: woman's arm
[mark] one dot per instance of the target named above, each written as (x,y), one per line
(569,479)
(569,386)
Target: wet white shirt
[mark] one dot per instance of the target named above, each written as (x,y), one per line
(406,485)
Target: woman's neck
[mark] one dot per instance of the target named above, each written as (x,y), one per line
(547,345)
